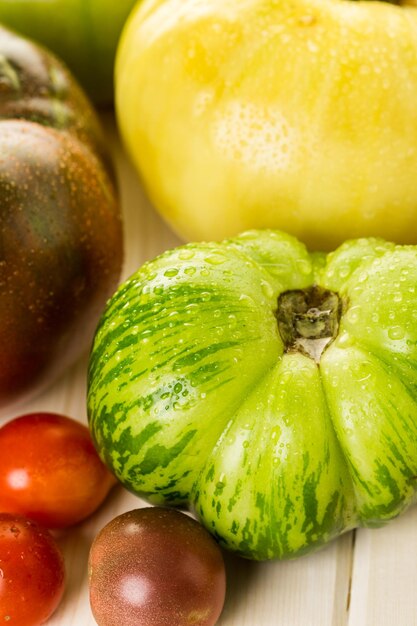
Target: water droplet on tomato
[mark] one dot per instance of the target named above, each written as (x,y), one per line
(216,259)
(353,314)
(267,289)
(186,254)
(396,333)
(170,273)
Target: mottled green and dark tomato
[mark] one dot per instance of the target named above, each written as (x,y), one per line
(156,567)
(50,470)
(32,571)
(272,390)
(84,33)
(60,227)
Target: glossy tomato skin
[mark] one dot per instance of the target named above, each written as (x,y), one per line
(33,574)
(61,244)
(246,144)
(84,34)
(154,567)
(50,471)
(286,413)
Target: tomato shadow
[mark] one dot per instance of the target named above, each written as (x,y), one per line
(75,544)
(240,577)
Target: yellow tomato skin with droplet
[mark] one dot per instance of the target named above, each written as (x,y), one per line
(296,115)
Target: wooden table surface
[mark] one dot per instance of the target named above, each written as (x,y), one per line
(366,578)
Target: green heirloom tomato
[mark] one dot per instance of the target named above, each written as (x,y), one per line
(271,390)
(273,114)
(84,33)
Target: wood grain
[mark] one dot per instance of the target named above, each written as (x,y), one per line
(367,578)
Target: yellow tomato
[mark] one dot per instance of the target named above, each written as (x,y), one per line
(297,115)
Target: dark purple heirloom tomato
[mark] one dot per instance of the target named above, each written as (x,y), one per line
(156,567)
(60,228)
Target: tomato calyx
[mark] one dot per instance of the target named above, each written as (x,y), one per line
(308,320)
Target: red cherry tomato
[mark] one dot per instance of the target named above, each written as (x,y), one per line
(50,470)
(32,573)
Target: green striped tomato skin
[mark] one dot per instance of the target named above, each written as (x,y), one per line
(195,401)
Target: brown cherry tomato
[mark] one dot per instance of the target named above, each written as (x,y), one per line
(50,470)
(32,575)
(156,567)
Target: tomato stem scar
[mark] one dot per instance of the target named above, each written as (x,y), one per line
(308,320)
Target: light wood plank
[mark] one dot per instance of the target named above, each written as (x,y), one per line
(311,591)
(385,574)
